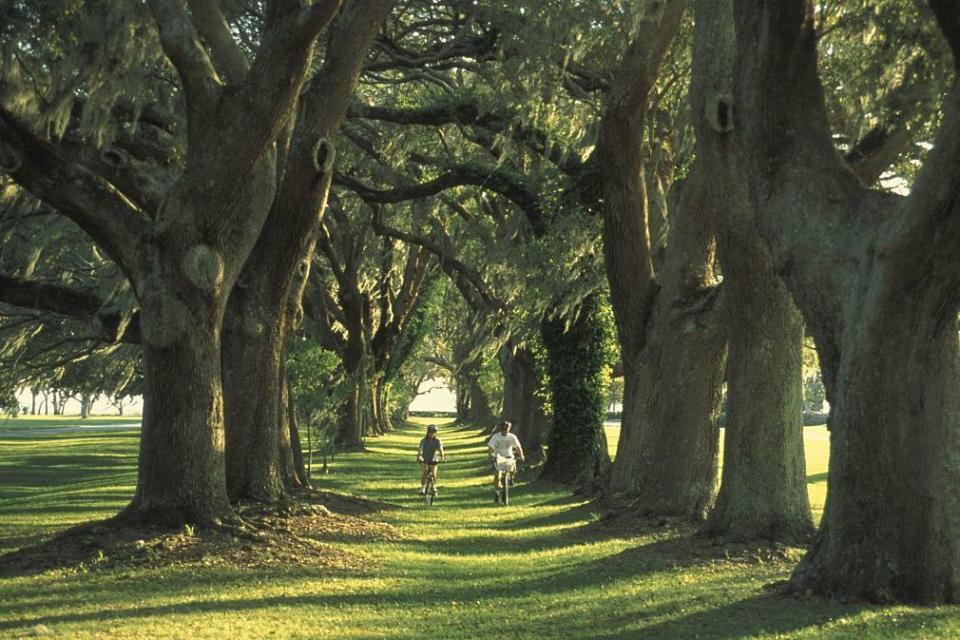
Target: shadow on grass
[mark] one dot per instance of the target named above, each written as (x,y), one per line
(762,614)
(626,619)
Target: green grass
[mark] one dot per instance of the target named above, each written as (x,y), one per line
(462,569)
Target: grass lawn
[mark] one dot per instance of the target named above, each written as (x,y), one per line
(465,568)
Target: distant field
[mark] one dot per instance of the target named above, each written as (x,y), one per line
(816,442)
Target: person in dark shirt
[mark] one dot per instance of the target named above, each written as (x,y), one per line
(429,454)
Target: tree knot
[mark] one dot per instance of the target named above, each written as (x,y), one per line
(11,158)
(324,154)
(203,267)
(719,112)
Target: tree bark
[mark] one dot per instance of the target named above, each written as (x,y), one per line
(86,402)
(261,461)
(182,436)
(252,355)
(876,278)
(763,491)
(763,494)
(667,456)
(351,432)
(666,320)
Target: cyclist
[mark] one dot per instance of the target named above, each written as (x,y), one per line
(428,454)
(502,444)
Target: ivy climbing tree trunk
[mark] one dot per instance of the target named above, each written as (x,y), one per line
(876,277)
(577,445)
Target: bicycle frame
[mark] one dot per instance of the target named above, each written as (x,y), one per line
(506,469)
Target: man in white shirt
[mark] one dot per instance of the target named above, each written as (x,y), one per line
(502,444)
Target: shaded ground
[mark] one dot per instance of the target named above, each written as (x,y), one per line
(289,535)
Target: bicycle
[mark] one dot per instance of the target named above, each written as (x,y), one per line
(508,469)
(430,489)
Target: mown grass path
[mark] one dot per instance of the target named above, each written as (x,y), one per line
(464,568)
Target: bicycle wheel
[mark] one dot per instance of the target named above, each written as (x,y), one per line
(506,490)
(428,493)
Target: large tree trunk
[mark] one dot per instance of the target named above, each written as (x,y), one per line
(671,342)
(880,297)
(890,525)
(86,404)
(261,460)
(351,431)
(252,351)
(181,467)
(462,398)
(667,456)
(473,405)
(763,494)
(577,444)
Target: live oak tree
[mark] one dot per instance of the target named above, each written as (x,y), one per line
(265,304)
(672,339)
(183,245)
(763,494)
(875,276)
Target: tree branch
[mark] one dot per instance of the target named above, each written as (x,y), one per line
(72,303)
(466,112)
(948,17)
(467,280)
(252,117)
(97,206)
(227,54)
(181,44)
(495,180)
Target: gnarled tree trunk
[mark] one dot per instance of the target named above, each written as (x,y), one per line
(880,297)
(763,493)
(667,456)
(252,354)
